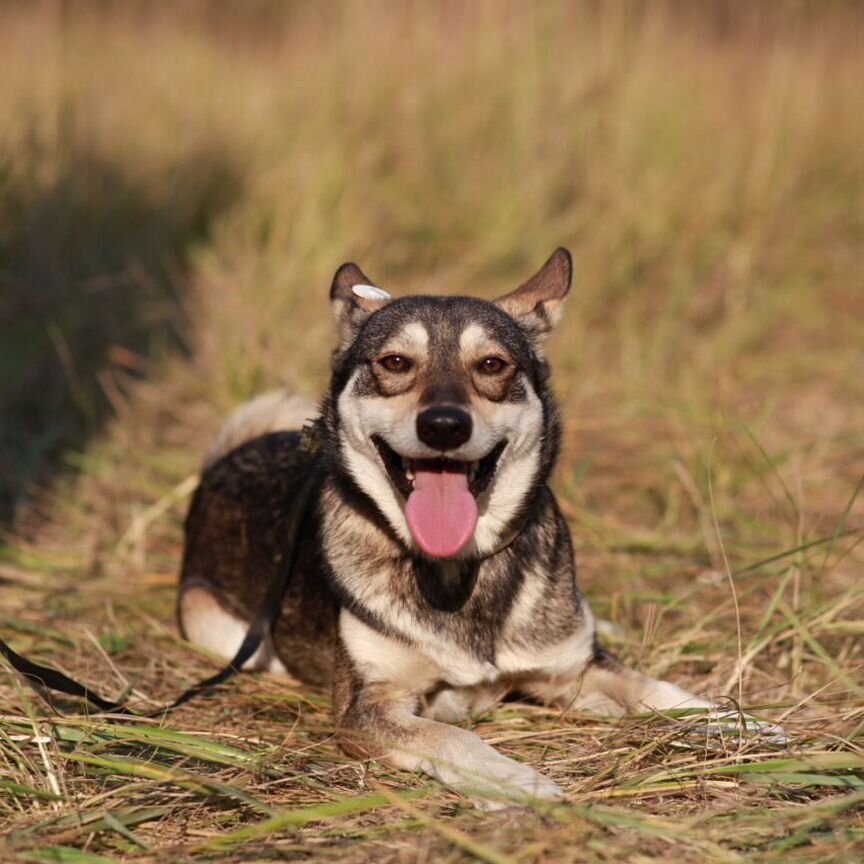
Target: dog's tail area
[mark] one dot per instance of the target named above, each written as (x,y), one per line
(274,411)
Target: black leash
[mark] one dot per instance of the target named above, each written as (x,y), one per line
(46,678)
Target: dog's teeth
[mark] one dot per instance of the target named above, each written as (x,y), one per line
(472,469)
(409,473)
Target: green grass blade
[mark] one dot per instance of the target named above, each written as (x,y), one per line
(164,774)
(301,816)
(64,855)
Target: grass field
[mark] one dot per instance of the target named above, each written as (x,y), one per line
(176,190)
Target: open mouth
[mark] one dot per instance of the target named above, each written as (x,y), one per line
(440,495)
(403,472)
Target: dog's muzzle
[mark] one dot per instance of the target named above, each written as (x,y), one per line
(440,494)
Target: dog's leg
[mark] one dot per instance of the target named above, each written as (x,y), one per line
(206,622)
(379,720)
(607,686)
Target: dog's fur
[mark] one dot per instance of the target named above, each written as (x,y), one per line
(411,643)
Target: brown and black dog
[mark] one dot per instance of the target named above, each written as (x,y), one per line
(435,572)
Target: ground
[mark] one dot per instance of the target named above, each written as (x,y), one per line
(178,189)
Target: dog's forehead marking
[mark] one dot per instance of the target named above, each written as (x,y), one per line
(412,338)
(475,338)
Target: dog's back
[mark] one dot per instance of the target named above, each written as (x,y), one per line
(236,539)
(274,411)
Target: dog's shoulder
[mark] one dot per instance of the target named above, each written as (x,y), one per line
(265,465)
(245,499)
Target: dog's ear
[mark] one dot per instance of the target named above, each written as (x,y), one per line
(538,304)
(353,298)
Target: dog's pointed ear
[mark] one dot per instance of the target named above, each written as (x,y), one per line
(537,305)
(353,298)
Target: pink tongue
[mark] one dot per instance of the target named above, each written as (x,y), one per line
(441,512)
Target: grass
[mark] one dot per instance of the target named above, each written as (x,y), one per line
(177,189)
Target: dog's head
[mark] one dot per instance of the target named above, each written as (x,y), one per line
(439,411)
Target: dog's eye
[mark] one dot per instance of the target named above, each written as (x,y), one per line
(491,365)
(395,363)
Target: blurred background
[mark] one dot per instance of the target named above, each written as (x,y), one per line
(178,183)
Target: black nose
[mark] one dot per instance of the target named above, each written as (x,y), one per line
(444,428)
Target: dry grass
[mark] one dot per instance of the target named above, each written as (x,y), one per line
(706,169)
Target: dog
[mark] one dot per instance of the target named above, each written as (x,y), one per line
(434,572)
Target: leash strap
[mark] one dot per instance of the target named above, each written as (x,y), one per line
(45,678)
(51,679)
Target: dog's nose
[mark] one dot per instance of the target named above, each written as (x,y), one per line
(444,427)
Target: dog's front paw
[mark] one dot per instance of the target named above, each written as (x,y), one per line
(489,778)
(520,781)
(510,784)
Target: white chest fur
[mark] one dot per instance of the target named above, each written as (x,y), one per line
(431,659)
(416,667)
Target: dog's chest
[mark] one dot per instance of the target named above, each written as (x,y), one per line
(417,660)
(421,657)
(419,625)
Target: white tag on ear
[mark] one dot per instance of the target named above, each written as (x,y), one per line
(370,292)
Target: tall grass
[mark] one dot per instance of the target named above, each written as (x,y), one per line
(189,178)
